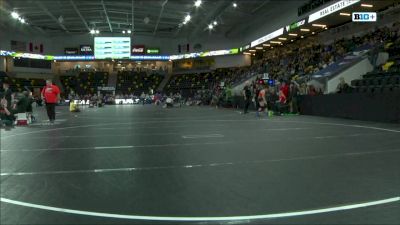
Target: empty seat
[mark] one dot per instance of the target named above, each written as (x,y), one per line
(355,83)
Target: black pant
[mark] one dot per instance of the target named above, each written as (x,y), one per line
(247,102)
(51,111)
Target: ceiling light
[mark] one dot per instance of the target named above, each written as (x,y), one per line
(247,53)
(187,18)
(292,40)
(92,31)
(22,20)
(345,14)
(305,30)
(272,47)
(367,5)
(259,48)
(313,32)
(267,45)
(252,50)
(276,42)
(210,26)
(97,32)
(318,25)
(123,32)
(291,34)
(234,5)
(15,15)
(129,31)
(215,23)
(326,28)
(197,3)
(302,36)
(283,39)
(184,22)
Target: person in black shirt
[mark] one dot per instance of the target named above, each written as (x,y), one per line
(342,87)
(247,97)
(7,94)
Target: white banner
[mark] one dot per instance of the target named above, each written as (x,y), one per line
(331,9)
(267,37)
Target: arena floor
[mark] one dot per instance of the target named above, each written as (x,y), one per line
(199,165)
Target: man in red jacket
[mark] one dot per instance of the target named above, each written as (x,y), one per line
(51,95)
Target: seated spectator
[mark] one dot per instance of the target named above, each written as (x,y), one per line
(73,107)
(342,87)
(6,116)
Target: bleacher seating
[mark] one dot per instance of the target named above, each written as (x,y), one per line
(193,81)
(21,84)
(130,82)
(85,82)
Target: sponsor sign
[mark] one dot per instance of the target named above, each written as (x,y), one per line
(331,9)
(71,51)
(138,49)
(126,101)
(150,57)
(267,37)
(86,50)
(153,51)
(364,17)
(295,25)
(106,88)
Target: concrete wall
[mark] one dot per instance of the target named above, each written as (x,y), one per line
(232,61)
(354,72)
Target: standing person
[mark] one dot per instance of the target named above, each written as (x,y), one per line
(293,94)
(262,100)
(51,95)
(7,94)
(247,96)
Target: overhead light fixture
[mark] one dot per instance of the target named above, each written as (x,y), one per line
(275,42)
(92,31)
(292,34)
(123,32)
(187,19)
(305,30)
(210,26)
(326,28)
(292,40)
(283,39)
(313,32)
(344,14)
(266,45)
(252,50)
(302,36)
(97,32)
(129,31)
(247,53)
(259,48)
(15,15)
(234,5)
(22,20)
(367,5)
(197,3)
(318,25)
(215,23)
